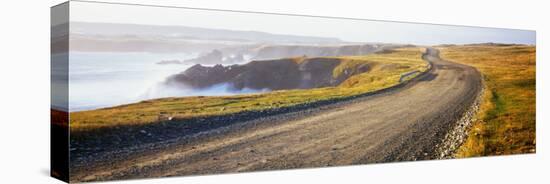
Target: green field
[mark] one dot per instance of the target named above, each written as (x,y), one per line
(506,119)
(384,71)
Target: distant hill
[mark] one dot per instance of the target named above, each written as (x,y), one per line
(184,32)
(282,51)
(110,37)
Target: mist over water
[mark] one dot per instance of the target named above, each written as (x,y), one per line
(105,79)
(161,90)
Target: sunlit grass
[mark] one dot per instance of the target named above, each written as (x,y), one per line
(506,120)
(385,70)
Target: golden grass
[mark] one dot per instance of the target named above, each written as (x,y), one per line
(506,119)
(385,72)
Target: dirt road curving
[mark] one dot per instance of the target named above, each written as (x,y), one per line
(398,125)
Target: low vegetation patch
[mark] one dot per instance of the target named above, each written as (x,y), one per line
(384,71)
(506,119)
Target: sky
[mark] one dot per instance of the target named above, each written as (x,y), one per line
(345,29)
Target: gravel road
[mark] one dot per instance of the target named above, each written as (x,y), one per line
(403,124)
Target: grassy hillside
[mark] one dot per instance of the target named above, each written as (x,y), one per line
(384,71)
(506,120)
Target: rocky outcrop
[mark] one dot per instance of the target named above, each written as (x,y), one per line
(302,68)
(199,76)
(291,73)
